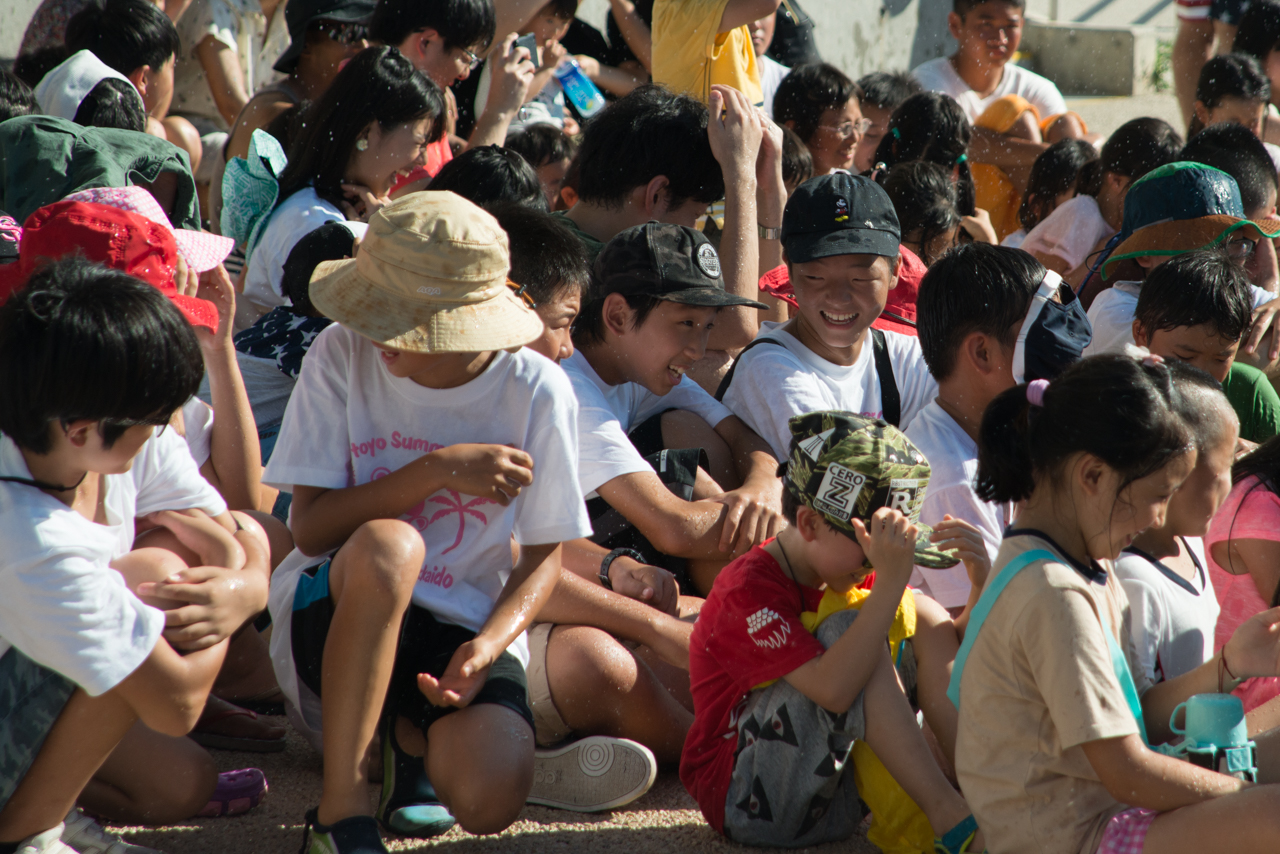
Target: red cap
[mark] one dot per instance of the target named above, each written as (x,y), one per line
(107,235)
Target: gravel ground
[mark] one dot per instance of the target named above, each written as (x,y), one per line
(664,820)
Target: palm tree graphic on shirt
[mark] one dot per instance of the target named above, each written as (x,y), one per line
(454,504)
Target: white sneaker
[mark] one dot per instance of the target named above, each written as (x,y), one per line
(591,775)
(86,836)
(49,842)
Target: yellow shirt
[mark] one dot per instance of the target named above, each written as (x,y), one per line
(689,55)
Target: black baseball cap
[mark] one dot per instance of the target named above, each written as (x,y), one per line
(839,214)
(299,14)
(671,262)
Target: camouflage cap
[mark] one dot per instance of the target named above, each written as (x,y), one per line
(844,466)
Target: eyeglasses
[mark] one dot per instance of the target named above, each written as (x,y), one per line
(472,59)
(522,291)
(848,129)
(343,32)
(123,424)
(1241,248)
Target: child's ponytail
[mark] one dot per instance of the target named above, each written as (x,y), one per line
(1116,408)
(932,127)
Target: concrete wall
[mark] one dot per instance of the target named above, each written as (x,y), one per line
(859,36)
(1093,60)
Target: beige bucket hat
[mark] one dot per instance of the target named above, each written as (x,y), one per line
(430,277)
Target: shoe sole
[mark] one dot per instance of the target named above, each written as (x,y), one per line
(592,775)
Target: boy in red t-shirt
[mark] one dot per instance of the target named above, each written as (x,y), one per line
(777,709)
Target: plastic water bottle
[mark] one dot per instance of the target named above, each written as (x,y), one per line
(578,88)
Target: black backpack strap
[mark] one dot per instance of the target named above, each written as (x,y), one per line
(890,400)
(723,388)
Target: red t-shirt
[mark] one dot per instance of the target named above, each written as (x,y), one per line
(902,299)
(438,154)
(748,632)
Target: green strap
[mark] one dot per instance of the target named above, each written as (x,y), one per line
(1119,663)
(983,608)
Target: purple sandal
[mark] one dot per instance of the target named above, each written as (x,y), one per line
(236,794)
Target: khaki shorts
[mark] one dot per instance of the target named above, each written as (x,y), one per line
(549,728)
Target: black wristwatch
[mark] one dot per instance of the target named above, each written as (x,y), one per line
(608,561)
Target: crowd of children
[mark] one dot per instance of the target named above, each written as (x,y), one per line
(515,412)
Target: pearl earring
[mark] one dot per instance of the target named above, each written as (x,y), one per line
(362,144)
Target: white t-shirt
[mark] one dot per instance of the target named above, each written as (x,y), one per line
(1173,619)
(1274,151)
(953,458)
(1070,231)
(350,422)
(772,383)
(197,420)
(295,218)
(1111,316)
(939,75)
(771,74)
(606,413)
(1014,238)
(60,602)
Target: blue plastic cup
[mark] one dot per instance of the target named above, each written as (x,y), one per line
(1212,720)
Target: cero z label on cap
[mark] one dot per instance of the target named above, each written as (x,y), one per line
(838,492)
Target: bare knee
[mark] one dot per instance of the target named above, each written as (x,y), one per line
(1025,127)
(381,559)
(183,134)
(150,564)
(1066,126)
(279,539)
(190,784)
(586,661)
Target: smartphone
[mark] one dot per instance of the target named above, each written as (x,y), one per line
(530,41)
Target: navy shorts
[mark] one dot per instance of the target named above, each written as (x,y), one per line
(426,646)
(31,699)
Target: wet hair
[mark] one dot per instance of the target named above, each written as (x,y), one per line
(1200,403)
(124,34)
(931,126)
(1065,164)
(963,7)
(540,143)
(83,341)
(1259,30)
(332,241)
(16,97)
(378,85)
(1138,146)
(461,23)
(807,92)
(113,103)
(31,68)
(288,126)
(797,161)
(491,174)
(546,257)
(1233,75)
(1201,287)
(1236,151)
(925,201)
(886,90)
(648,133)
(973,288)
(589,327)
(1113,407)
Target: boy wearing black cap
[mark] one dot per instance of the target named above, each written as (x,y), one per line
(840,241)
(656,293)
(773,769)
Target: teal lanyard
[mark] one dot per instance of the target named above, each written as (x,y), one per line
(1119,663)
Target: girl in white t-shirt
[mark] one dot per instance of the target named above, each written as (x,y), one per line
(1056,177)
(1163,571)
(374,122)
(1052,752)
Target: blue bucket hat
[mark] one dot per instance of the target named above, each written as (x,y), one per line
(1181,207)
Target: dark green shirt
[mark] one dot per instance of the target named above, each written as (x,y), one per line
(592,245)
(1255,401)
(44,159)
